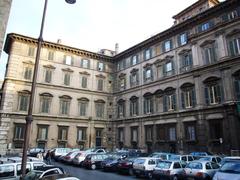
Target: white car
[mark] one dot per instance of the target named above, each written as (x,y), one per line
(144,166)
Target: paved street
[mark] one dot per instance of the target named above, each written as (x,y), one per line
(85,174)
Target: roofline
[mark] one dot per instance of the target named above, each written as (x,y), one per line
(18,37)
(193,6)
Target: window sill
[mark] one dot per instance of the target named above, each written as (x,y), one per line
(19,140)
(60,140)
(41,140)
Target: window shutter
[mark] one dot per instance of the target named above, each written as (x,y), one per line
(137,74)
(165,108)
(164,70)
(151,74)
(199,28)
(104,67)
(179,40)
(123,107)
(130,79)
(144,75)
(182,100)
(151,52)
(137,57)
(97,66)
(163,47)
(118,113)
(64,59)
(190,59)
(211,24)
(144,54)
(174,102)
(88,64)
(193,98)
(206,95)
(213,54)
(225,17)
(131,108)
(151,105)
(207,60)
(231,47)
(72,60)
(145,106)
(173,67)
(137,106)
(171,44)
(219,93)
(237,89)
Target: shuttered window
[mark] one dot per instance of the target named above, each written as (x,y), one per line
(48,75)
(100,84)
(84,82)
(23,102)
(67,77)
(28,73)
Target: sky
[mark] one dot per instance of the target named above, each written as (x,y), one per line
(93,24)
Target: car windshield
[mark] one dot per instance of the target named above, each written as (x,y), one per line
(164,165)
(231,167)
(194,165)
(174,157)
(139,161)
(205,159)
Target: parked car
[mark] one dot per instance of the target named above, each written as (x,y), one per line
(79,158)
(34,151)
(229,159)
(126,165)
(94,161)
(186,158)
(144,166)
(201,169)
(215,159)
(68,158)
(12,170)
(198,155)
(161,155)
(229,171)
(57,152)
(111,162)
(173,170)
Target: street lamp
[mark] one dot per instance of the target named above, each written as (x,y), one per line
(29,117)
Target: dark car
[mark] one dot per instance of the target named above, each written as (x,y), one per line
(126,165)
(34,151)
(94,161)
(111,162)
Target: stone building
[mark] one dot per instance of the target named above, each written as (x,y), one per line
(177,91)
(5,6)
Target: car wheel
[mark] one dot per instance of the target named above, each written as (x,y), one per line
(175,177)
(150,176)
(130,171)
(93,167)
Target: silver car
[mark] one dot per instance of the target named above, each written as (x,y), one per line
(169,170)
(186,158)
(215,159)
(201,170)
(229,170)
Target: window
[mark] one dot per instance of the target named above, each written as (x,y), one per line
(84,81)
(167,46)
(68,60)
(190,132)
(42,132)
(120,135)
(83,104)
(99,109)
(160,133)
(168,69)
(216,129)
(134,134)
(48,75)
(7,171)
(100,66)
(134,77)
(205,26)
(85,63)
(31,51)
(186,61)
(147,54)
(172,134)
(148,104)
(50,55)
(62,133)
(23,100)
(28,72)
(159,100)
(81,134)
(19,131)
(234,46)
(149,133)
(213,92)
(134,60)
(148,73)
(45,102)
(67,78)
(100,84)
(230,16)
(188,96)
(65,105)
(169,101)
(122,82)
(134,106)
(121,64)
(121,108)
(237,85)
(182,39)
(209,54)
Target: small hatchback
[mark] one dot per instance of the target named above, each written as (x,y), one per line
(169,170)
(94,161)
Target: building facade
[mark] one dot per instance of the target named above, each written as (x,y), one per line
(177,91)
(5,6)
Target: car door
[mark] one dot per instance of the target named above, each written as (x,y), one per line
(7,171)
(151,164)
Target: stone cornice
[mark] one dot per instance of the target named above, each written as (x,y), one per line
(17,37)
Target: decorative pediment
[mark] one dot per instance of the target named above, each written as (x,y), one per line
(65,97)
(159,92)
(49,66)
(67,70)
(24,92)
(100,76)
(158,61)
(168,57)
(211,79)
(28,62)
(121,101)
(84,73)
(186,85)
(206,42)
(122,75)
(133,98)
(237,73)
(83,99)
(134,70)
(234,32)
(46,94)
(184,51)
(169,89)
(147,94)
(99,101)
(147,65)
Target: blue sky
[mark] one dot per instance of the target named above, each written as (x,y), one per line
(93,24)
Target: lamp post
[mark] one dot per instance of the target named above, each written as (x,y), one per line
(29,117)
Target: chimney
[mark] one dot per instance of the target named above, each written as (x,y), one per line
(59,41)
(116,48)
